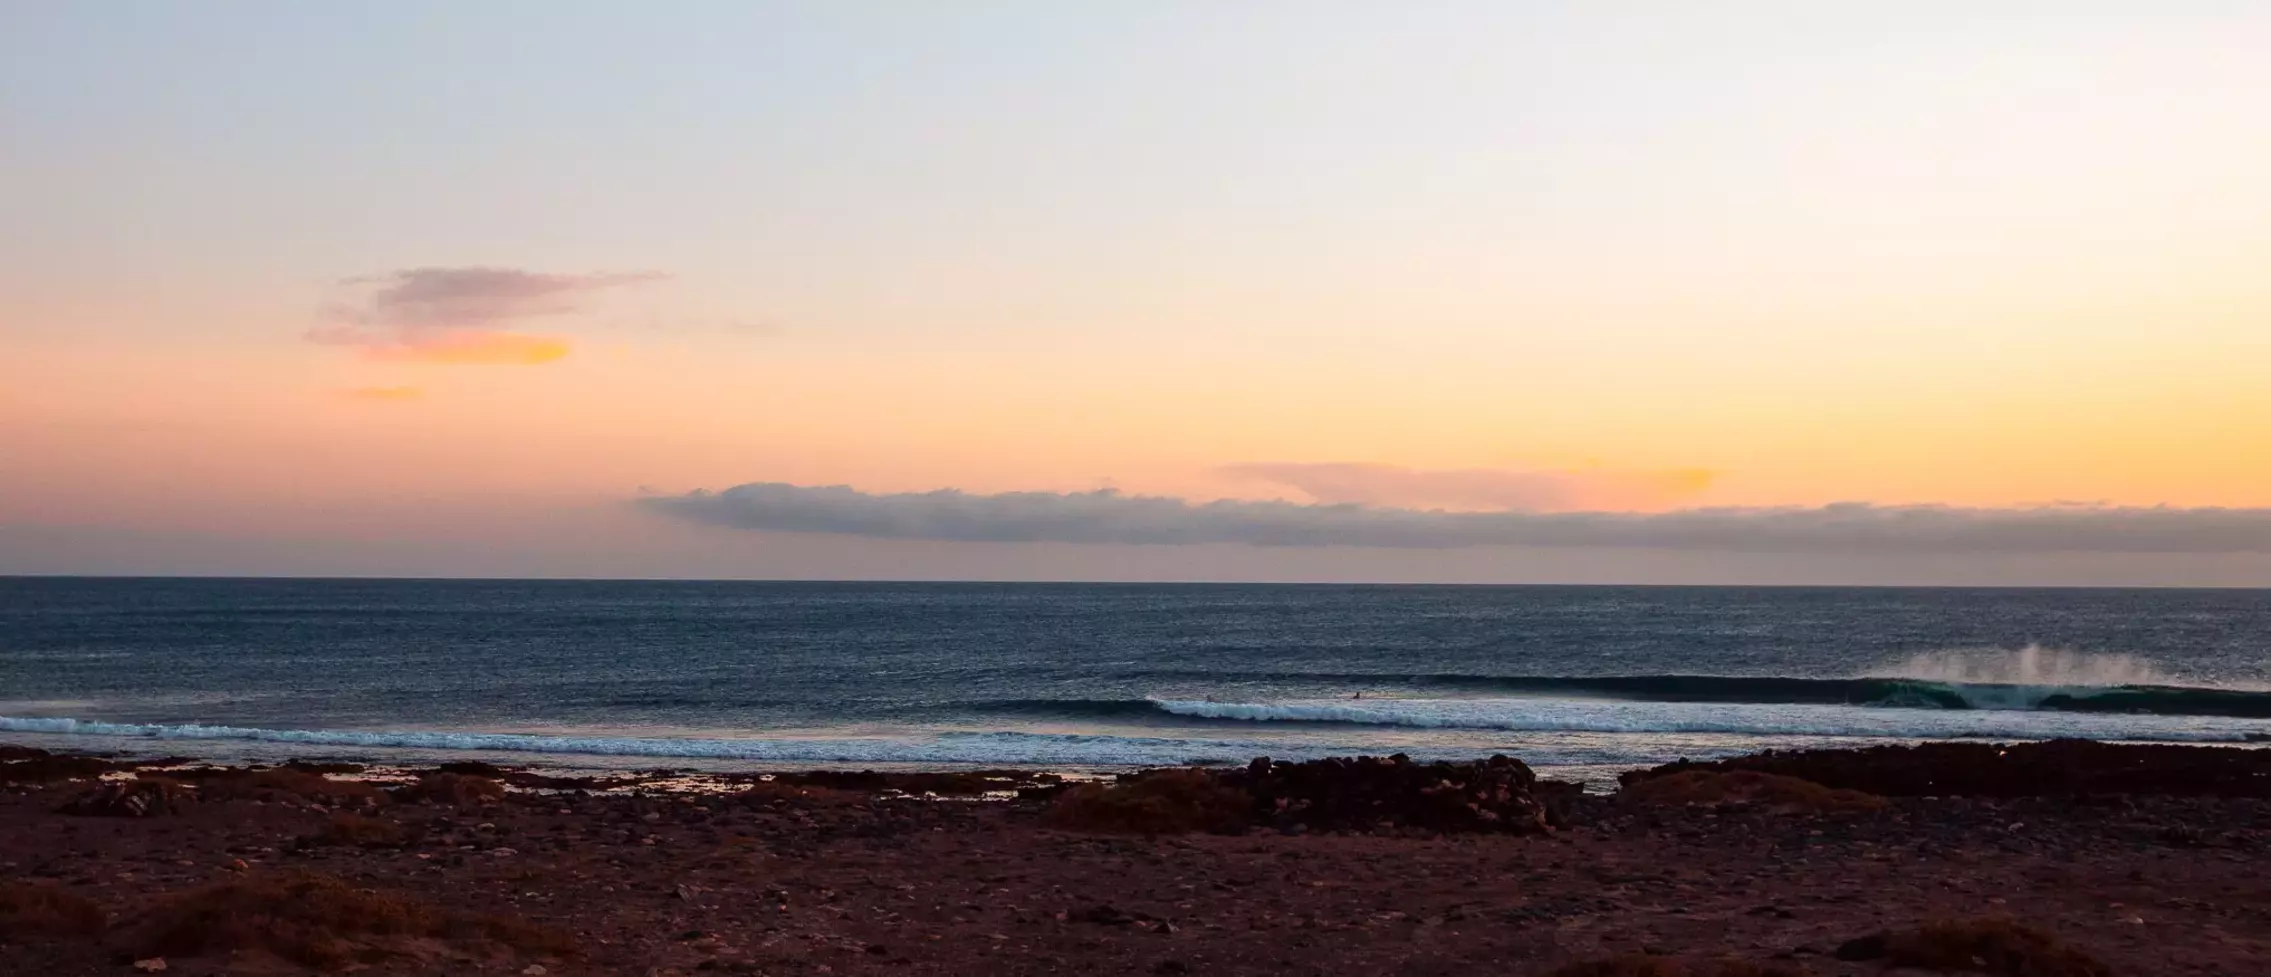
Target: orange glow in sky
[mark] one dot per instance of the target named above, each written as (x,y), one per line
(1483,256)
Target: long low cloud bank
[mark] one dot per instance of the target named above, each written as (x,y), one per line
(1112,517)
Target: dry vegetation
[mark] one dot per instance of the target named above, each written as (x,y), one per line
(456,789)
(283,784)
(319,921)
(43,769)
(1654,966)
(947,784)
(1992,945)
(770,792)
(133,799)
(324,766)
(43,912)
(356,831)
(1160,802)
(1745,787)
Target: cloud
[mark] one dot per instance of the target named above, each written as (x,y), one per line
(463,315)
(456,298)
(1111,517)
(1358,483)
(384,394)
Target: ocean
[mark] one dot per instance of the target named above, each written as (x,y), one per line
(746,675)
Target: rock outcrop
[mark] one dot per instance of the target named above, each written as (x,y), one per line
(133,799)
(1374,793)
(2054,768)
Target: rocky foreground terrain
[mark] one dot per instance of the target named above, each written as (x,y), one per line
(2046,860)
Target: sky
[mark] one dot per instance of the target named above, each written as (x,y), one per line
(1602,292)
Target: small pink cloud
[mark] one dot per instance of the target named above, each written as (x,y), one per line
(1479,489)
(463,315)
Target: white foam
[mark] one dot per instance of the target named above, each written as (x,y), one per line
(1639,732)
(1761,719)
(942,748)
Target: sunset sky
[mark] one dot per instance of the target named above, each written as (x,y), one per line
(1494,291)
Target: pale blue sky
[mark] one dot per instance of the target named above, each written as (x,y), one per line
(802,151)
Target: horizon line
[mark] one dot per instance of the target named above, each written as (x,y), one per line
(949,581)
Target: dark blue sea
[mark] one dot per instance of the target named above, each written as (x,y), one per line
(1080,676)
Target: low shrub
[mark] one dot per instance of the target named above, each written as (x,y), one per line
(1656,966)
(1988,945)
(1156,802)
(282,784)
(455,789)
(318,921)
(323,766)
(30,913)
(45,768)
(148,797)
(1747,788)
(357,831)
(774,794)
(1393,793)
(961,783)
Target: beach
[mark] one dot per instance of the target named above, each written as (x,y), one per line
(519,872)
(525,777)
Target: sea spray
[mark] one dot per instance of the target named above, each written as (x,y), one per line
(2032,665)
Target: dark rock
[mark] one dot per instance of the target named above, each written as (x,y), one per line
(952,784)
(1101,915)
(461,790)
(45,768)
(1870,947)
(133,799)
(1561,800)
(2054,768)
(1336,794)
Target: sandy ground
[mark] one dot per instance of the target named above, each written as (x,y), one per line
(783,880)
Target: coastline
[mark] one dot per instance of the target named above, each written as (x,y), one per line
(851,873)
(720,770)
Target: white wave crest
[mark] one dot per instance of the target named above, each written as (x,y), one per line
(1529,726)
(1762,719)
(943,748)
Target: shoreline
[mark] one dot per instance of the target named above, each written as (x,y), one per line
(236,751)
(725,770)
(2144,859)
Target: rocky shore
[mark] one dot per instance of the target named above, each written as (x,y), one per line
(2045,860)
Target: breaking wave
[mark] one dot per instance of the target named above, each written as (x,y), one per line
(1781,719)
(1904,693)
(944,748)
(1489,724)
